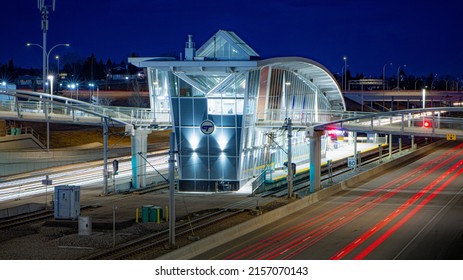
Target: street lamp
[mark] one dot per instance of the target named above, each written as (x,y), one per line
(71,87)
(46,55)
(345,72)
(91,86)
(424,97)
(77,90)
(398,78)
(384,74)
(57,58)
(51,77)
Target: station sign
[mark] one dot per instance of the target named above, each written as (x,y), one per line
(207,127)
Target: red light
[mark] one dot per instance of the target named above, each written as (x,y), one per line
(427,124)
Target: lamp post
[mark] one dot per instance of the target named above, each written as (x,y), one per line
(398,76)
(424,97)
(77,91)
(51,77)
(345,72)
(72,87)
(384,82)
(46,56)
(384,74)
(57,58)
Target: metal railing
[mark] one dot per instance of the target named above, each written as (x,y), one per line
(430,121)
(35,105)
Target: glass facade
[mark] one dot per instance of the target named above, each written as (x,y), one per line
(240,148)
(229,118)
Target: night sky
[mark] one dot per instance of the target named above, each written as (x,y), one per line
(425,35)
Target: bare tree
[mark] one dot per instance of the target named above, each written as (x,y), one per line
(136,99)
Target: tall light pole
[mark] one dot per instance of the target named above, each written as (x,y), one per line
(46,55)
(398,75)
(51,78)
(384,74)
(57,69)
(345,72)
(424,97)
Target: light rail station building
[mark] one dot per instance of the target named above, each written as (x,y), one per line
(228,109)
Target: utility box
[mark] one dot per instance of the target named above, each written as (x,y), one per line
(67,202)
(145,213)
(85,225)
(155,214)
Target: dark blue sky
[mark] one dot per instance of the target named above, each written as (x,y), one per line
(425,35)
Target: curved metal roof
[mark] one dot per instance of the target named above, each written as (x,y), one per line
(313,72)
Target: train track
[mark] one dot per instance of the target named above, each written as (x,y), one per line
(149,242)
(24,219)
(30,218)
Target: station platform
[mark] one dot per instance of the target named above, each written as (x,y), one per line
(343,152)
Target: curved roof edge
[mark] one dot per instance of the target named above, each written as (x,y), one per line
(313,71)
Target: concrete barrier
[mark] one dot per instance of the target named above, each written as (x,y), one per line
(20,209)
(220,238)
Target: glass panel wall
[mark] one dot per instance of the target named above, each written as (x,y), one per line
(237,150)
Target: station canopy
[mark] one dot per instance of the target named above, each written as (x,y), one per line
(226,53)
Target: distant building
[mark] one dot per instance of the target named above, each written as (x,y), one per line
(227,108)
(366,84)
(121,72)
(27,81)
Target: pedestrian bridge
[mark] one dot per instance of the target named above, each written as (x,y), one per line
(43,107)
(440,122)
(428,122)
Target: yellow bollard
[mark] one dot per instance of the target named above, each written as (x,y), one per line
(136,215)
(167,213)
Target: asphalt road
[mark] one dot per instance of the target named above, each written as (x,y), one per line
(411,212)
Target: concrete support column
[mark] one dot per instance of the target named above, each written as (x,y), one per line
(355,149)
(390,146)
(400,145)
(315,160)
(139,148)
(105,155)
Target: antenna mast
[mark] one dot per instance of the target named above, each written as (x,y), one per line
(43,8)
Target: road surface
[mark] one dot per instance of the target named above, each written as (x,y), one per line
(412,212)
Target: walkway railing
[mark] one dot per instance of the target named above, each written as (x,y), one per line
(436,122)
(304,117)
(27,105)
